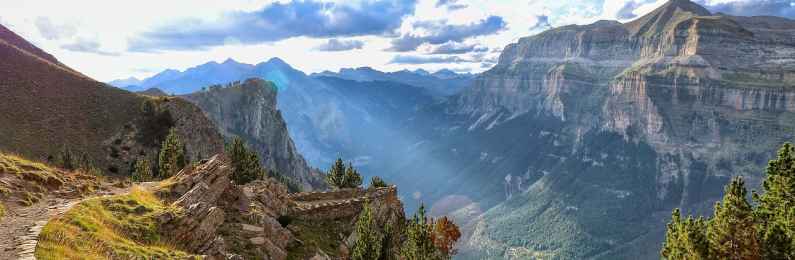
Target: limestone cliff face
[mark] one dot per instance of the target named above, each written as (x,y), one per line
(673,104)
(248,110)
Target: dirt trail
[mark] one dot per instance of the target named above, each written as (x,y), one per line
(20,227)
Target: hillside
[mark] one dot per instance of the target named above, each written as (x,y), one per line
(49,107)
(581,140)
(248,110)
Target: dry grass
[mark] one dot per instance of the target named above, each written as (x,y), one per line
(27,182)
(118,227)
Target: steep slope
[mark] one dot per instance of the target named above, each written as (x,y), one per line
(583,138)
(49,107)
(248,110)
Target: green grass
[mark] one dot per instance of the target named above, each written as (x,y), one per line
(118,227)
(317,234)
(2,211)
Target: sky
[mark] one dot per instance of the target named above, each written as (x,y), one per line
(110,40)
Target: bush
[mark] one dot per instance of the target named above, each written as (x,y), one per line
(143,171)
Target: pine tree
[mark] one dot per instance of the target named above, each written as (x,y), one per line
(172,156)
(369,242)
(377,182)
(352,177)
(336,175)
(143,171)
(245,163)
(776,224)
(419,243)
(732,233)
(685,239)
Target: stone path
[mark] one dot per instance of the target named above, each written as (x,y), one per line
(21,226)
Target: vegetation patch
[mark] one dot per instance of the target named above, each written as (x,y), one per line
(317,235)
(119,227)
(26,182)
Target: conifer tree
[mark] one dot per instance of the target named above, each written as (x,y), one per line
(245,163)
(419,243)
(685,239)
(731,232)
(336,175)
(776,204)
(352,177)
(172,156)
(377,182)
(143,171)
(369,242)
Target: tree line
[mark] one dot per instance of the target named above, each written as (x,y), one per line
(739,229)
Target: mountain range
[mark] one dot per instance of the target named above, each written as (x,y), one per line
(576,145)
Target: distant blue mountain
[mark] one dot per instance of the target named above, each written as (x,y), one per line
(326,116)
(441,83)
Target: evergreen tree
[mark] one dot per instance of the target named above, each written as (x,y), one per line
(732,233)
(685,239)
(352,177)
(245,163)
(377,182)
(419,243)
(336,175)
(369,242)
(776,204)
(143,171)
(172,156)
(341,177)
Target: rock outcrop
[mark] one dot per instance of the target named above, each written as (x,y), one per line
(248,110)
(260,220)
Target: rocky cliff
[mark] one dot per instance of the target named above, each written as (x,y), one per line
(260,220)
(596,132)
(248,110)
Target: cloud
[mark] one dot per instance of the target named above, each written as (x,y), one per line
(450,4)
(87,46)
(279,21)
(783,8)
(441,32)
(340,45)
(413,59)
(543,22)
(457,48)
(51,31)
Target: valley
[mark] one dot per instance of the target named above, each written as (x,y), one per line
(593,139)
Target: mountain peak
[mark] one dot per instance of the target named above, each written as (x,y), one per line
(665,17)
(230,61)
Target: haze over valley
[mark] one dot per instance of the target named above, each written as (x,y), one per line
(430,129)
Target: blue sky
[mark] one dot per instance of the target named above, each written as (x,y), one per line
(115,39)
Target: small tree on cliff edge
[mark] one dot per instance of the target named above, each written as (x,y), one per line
(341,177)
(172,156)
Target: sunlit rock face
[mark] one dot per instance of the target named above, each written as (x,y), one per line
(610,126)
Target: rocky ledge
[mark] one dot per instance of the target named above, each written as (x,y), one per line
(221,220)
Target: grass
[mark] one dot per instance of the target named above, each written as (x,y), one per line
(2,211)
(318,234)
(118,227)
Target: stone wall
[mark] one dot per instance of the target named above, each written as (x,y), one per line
(334,205)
